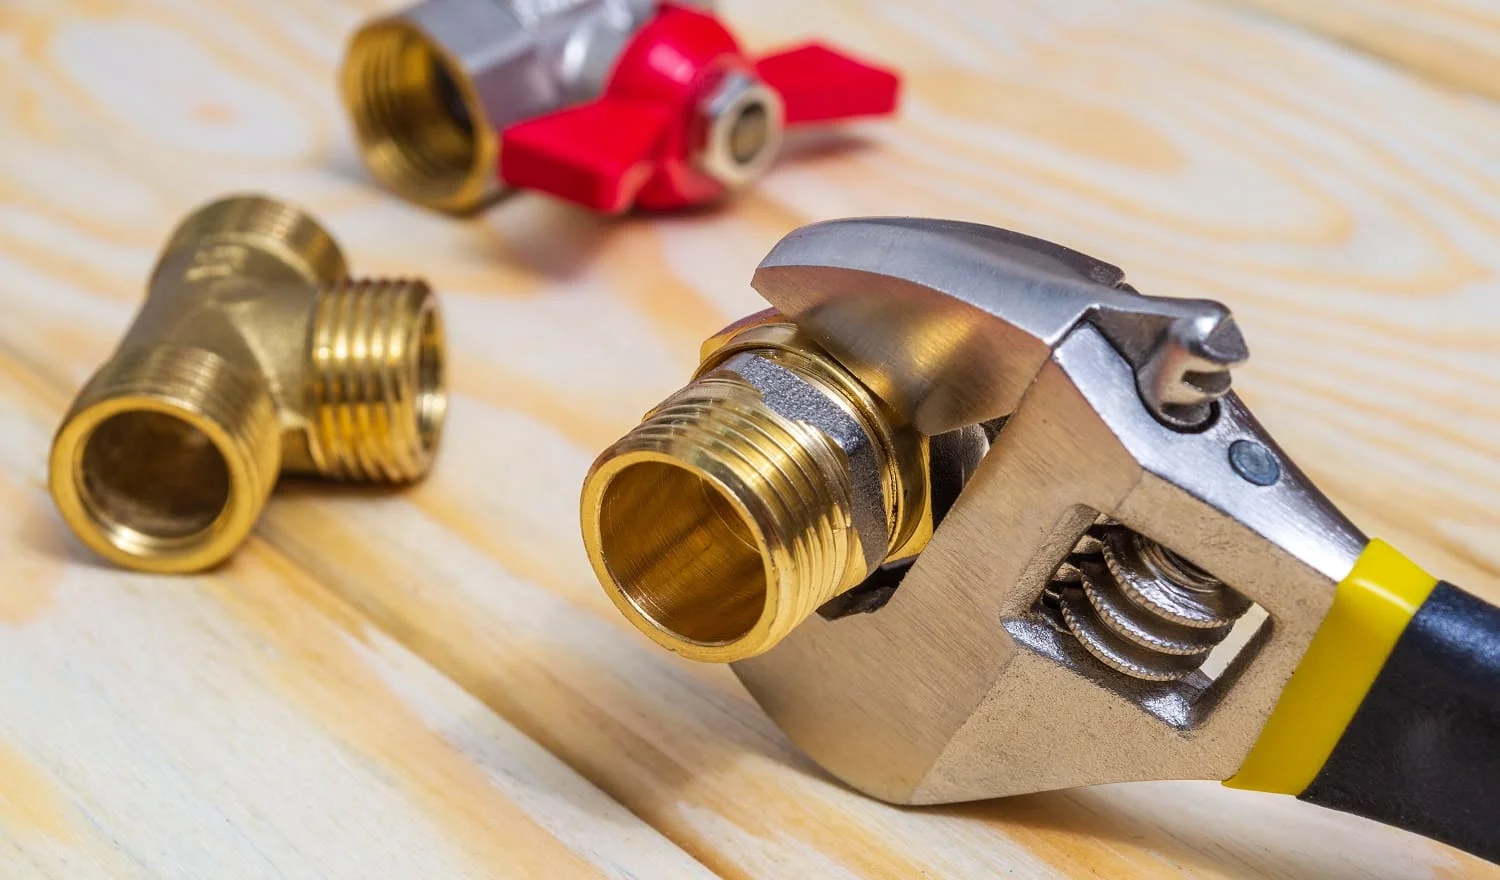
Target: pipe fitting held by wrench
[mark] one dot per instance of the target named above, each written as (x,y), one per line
(1091,563)
(606,103)
(254,355)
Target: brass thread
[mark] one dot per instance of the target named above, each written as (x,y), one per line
(251,356)
(166,458)
(718,525)
(900,452)
(377,398)
(420,127)
(721,524)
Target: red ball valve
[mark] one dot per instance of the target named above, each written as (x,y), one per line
(686,116)
(607,103)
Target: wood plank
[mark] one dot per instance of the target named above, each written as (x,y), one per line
(1455,42)
(1346,212)
(247,724)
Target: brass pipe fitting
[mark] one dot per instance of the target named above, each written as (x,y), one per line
(253,355)
(770,484)
(429,86)
(417,120)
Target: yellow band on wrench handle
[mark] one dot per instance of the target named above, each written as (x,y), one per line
(1371,608)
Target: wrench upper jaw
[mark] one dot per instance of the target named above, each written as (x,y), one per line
(950,322)
(941,364)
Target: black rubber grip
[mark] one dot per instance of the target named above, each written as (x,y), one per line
(1423,749)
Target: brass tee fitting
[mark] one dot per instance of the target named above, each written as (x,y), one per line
(254,354)
(772,483)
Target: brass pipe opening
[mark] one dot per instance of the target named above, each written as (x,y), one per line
(155,474)
(167,455)
(253,355)
(430,377)
(420,126)
(166,458)
(766,487)
(667,532)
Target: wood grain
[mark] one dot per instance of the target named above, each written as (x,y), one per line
(248,724)
(1346,210)
(1455,42)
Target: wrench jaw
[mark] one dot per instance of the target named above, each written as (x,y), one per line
(965,685)
(953,320)
(961,688)
(915,308)
(1120,590)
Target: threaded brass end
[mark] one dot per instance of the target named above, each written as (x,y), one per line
(166,458)
(419,124)
(376,393)
(274,226)
(718,525)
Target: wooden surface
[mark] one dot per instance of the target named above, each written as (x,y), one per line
(1454,42)
(430,684)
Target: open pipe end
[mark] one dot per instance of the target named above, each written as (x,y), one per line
(418,120)
(717,525)
(166,459)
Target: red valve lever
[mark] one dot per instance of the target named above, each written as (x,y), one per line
(598,155)
(818,84)
(633,145)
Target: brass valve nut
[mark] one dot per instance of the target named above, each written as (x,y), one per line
(740,125)
(253,355)
(769,485)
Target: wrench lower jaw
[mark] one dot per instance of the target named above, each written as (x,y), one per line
(960,688)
